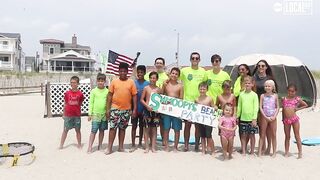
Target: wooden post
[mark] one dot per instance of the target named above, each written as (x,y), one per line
(41,87)
(48,100)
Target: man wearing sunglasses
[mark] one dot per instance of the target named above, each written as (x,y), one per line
(191,77)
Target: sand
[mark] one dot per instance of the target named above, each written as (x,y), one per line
(22,119)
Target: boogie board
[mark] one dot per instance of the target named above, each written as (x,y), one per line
(311,141)
(192,139)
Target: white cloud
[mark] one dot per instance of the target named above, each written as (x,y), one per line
(58,27)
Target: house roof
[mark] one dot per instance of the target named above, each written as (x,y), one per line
(11,35)
(53,41)
(71,55)
(70,46)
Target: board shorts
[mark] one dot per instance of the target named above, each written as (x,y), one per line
(151,119)
(119,118)
(245,127)
(205,131)
(171,122)
(99,123)
(138,120)
(72,122)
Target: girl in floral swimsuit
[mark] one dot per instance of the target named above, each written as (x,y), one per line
(290,105)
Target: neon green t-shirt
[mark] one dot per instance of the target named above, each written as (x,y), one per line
(237,87)
(191,78)
(162,77)
(215,81)
(248,106)
(98,103)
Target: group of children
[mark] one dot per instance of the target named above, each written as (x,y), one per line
(127,99)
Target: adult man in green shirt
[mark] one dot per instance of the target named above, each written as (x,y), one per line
(191,77)
(215,77)
(159,64)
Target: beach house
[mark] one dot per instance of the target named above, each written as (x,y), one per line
(58,56)
(11,54)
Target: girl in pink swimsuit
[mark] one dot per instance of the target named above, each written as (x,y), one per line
(269,108)
(290,105)
(227,125)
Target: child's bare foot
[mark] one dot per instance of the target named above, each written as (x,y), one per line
(60,147)
(175,150)
(132,149)
(166,149)
(286,154)
(153,150)
(120,150)
(186,149)
(79,146)
(273,155)
(108,152)
(196,148)
(203,152)
(146,151)
(89,151)
(299,155)
(230,156)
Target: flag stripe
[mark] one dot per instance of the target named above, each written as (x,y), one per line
(114,60)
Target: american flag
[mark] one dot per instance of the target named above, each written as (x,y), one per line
(114,60)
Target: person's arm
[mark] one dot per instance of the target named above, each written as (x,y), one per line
(108,107)
(234,126)
(301,105)
(134,112)
(277,108)
(181,91)
(220,125)
(239,108)
(234,106)
(143,97)
(91,102)
(261,106)
(218,101)
(255,110)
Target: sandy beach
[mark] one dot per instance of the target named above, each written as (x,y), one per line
(22,120)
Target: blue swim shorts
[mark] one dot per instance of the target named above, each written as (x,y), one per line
(171,122)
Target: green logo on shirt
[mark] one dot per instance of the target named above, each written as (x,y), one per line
(190,77)
(209,82)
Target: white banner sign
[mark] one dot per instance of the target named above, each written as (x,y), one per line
(185,109)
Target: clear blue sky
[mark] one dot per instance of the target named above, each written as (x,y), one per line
(228,28)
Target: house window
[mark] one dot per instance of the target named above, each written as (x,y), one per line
(4,59)
(51,50)
(5,44)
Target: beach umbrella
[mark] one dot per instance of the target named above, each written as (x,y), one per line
(285,69)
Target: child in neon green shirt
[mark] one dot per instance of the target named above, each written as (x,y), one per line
(97,111)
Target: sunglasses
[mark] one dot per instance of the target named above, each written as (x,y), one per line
(194,58)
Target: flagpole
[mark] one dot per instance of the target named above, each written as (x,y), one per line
(177,52)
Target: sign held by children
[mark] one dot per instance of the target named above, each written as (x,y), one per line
(183,109)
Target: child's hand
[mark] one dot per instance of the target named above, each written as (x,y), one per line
(149,108)
(254,123)
(108,114)
(89,118)
(134,114)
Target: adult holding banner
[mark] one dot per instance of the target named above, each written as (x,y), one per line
(191,77)
(216,76)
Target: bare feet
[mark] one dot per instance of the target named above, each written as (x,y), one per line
(121,150)
(166,149)
(230,156)
(89,151)
(153,150)
(286,154)
(175,150)
(108,152)
(60,147)
(186,149)
(133,148)
(146,151)
(299,155)
(79,146)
